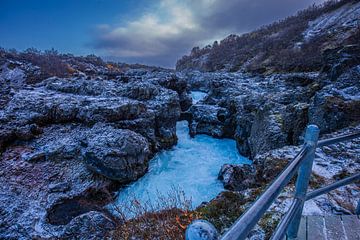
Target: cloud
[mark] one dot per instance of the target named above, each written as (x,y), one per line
(161,36)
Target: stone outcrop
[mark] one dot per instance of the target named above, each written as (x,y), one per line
(92,225)
(118,154)
(267,112)
(137,106)
(237,177)
(208,119)
(260,112)
(337,104)
(43,192)
(67,145)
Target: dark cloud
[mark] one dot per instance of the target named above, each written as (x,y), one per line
(160,38)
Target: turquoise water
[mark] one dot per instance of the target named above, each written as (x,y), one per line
(197,96)
(192,166)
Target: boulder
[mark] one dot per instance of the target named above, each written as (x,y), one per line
(201,229)
(118,154)
(238,177)
(89,226)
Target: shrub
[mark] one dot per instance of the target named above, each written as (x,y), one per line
(269,47)
(166,219)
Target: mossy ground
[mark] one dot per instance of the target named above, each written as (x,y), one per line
(224,210)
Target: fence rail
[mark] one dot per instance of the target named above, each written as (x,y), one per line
(338,139)
(289,225)
(341,183)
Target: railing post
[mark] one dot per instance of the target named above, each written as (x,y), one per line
(201,230)
(303,178)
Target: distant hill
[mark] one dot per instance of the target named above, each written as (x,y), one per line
(296,43)
(40,65)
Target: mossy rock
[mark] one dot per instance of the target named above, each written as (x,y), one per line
(223,210)
(269,222)
(227,207)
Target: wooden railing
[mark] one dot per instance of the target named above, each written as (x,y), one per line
(289,225)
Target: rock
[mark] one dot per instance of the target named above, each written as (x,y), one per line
(337,105)
(208,119)
(270,164)
(276,125)
(142,91)
(201,229)
(267,132)
(34,157)
(6,135)
(143,106)
(261,113)
(185,101)
(54,131)
(59,187)
(91,225)
(197,81)
(37,202)
(256,234)
(179,85)
(118,154)
(238,177)
(340,59)
(13,74)
(267,112)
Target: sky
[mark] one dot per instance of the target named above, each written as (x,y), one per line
(153,32)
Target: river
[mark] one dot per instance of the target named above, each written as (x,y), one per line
(192,167)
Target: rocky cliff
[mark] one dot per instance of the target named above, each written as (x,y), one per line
(67,143)
(267,112)
(264,110)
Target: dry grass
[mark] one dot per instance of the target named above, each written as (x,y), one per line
(166,219)
(165,224)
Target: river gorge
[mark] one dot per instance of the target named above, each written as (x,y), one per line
(192,167)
